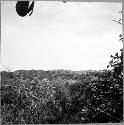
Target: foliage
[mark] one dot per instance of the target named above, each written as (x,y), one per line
(35,100)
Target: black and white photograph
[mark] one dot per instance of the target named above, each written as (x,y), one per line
(61,62)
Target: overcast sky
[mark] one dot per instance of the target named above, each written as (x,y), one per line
(71,36)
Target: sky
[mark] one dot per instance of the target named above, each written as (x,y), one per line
(71,36)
